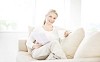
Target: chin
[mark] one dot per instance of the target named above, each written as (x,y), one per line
(51,22)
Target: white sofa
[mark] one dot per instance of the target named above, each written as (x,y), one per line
(75,48)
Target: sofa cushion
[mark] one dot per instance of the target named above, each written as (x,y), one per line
(71,43)
(24,57)
(90,47)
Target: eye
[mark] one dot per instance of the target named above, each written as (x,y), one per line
(54,18)
(50,16)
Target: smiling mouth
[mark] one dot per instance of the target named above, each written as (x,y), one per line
(51,21)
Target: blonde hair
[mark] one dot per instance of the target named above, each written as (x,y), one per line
(52,10)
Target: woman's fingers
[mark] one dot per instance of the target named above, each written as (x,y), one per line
(66,33)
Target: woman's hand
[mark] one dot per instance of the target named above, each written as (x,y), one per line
(66,33)
(37,45)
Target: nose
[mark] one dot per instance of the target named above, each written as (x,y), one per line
(52,18)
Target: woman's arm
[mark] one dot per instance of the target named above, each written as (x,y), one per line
(63,32)
(30,41)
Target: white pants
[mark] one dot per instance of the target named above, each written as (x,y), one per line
(45,52)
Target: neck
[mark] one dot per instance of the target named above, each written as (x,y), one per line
(48,27)
(48,24)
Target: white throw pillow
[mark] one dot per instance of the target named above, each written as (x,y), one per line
(89,48)
(71,43)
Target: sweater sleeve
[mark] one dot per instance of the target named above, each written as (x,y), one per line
(60,32)
(30,41)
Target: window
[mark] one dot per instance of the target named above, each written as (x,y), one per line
(16,15)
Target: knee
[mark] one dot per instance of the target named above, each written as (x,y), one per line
(39,55)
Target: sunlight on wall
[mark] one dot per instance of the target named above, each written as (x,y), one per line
(74,15)
(90,15)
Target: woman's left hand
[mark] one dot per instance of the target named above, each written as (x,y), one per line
(66,33)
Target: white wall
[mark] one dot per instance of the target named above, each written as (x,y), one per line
(75,13)
(90,15)
(72,14)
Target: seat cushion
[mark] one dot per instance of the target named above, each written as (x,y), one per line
(72,60)
(71,43)
(24,57)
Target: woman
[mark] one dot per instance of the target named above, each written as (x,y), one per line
(52,49)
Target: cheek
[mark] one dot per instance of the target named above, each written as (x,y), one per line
(54,19)
(48,18)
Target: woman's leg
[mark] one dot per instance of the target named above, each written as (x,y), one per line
(56,51)
(50,50)
(42,52)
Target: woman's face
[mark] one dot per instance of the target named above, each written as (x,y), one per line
(51,17)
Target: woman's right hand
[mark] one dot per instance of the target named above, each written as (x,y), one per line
(37,45)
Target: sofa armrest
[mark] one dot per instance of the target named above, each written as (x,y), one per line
(22,45)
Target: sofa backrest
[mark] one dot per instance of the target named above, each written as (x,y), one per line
(22,45)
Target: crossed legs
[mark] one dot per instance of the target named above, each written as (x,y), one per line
(49,51)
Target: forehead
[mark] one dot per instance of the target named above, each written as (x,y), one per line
(52,14)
